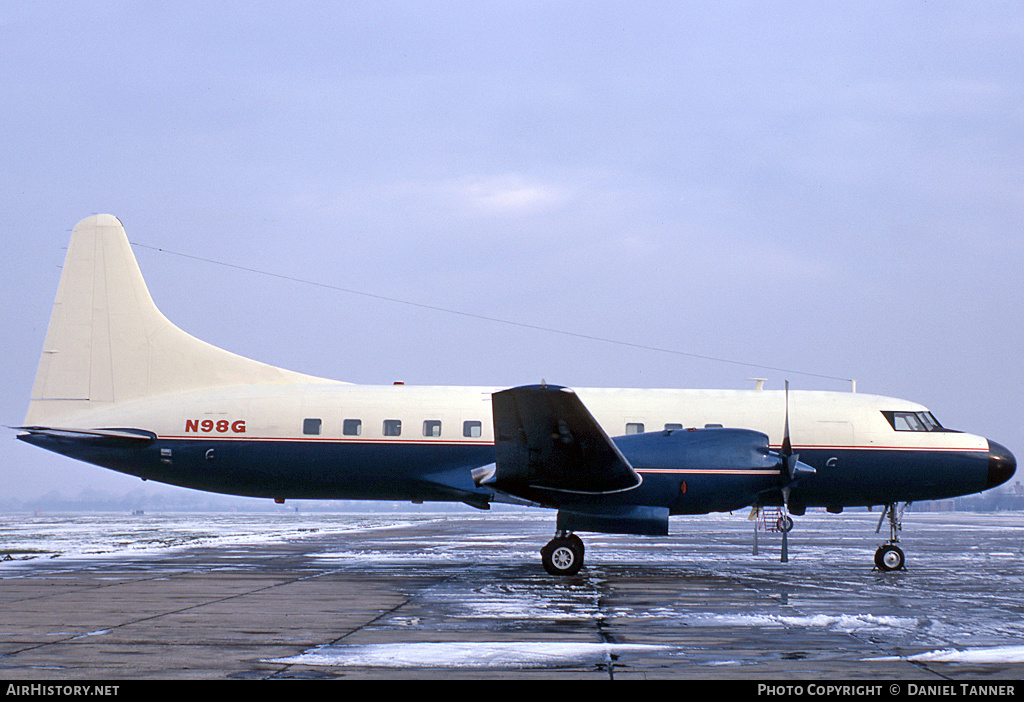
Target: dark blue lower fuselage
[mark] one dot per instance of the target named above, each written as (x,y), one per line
(434,471)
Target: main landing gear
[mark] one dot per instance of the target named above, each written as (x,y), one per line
(889,556)
(563,555)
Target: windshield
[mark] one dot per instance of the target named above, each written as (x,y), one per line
(912,421)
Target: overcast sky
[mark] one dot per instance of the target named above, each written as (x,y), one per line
(830,188)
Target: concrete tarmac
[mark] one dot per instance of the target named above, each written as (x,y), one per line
(465,596)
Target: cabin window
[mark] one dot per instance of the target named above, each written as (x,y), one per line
(634,427)
(392,427)
(352,427)
(432,427)
(311,426)
(472,429)
(673,427)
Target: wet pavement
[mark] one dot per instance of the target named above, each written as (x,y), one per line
(465,596)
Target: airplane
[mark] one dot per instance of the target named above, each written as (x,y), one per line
(118,385)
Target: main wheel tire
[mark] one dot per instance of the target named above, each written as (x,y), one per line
(784,523)
(563,555)
(889,557)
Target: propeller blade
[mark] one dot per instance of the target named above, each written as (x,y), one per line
(790,461)
(755,512)
(787,446)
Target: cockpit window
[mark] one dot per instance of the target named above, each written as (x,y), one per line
(929,421)
(912,421)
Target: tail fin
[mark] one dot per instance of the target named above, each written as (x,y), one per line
(107,342)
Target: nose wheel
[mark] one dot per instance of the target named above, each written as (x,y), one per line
(889,557)
(563,555)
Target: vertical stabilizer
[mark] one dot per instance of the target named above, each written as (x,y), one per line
(107,342)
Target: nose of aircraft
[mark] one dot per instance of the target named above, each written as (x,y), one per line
(1001,464)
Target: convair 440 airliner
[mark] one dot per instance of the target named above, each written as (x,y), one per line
(119,386)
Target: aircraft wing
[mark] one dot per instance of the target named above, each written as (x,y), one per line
(546,441)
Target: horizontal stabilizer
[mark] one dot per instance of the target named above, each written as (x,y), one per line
(87,444)
(136,435)
(546,442)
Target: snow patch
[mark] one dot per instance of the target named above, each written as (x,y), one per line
(474,654)
(994,654)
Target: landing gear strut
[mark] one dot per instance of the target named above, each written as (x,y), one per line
(889,556)
(785,525)
(563,555)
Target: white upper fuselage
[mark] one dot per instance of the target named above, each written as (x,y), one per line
(439,414)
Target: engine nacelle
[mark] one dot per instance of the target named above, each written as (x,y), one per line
(699,449)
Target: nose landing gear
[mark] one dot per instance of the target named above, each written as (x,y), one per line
(889,556)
